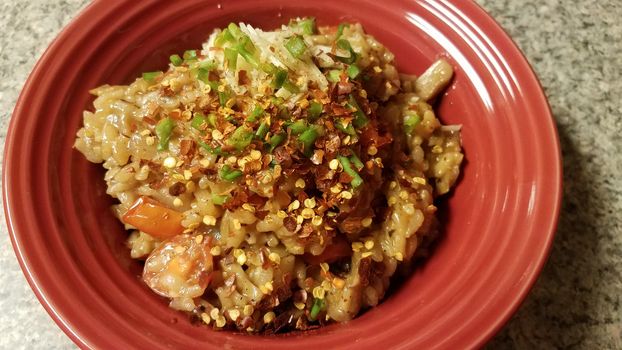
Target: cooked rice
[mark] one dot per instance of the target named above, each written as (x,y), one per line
(268,240)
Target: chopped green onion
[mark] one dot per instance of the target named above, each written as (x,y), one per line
(223,97)
(150,76)
(247,50)
(276,140)
(334,75)
(308,25)
(198,121)
(359,117)
(202,75)
(280,76)
(308,139)
(176,60)
(208,64)
(353,71)
(345,45)
(410,122)
(347,168)
(223,37)
(298,127)
(164,130)
(255,114)
(231,56)
(349,129)
(315,109)
(340,29)
(211,120)
(219,199)
(262,131)
(318,305)
(217,151)
(296,46)
(291,87)
(241,137)
(190,55)
(234,30)
(228,174)
(356,161)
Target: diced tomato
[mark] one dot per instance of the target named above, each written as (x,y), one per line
(151,217)
(337,249)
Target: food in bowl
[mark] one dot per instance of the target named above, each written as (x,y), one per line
(275,180)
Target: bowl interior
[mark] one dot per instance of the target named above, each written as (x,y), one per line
(497,226)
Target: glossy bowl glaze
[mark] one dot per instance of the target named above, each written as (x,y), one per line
(499,222)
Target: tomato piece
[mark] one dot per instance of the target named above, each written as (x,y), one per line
(151,217)
(337,249)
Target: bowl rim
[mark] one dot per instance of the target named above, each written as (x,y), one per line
(51,306)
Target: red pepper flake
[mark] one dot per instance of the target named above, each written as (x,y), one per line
(345,178)
(149,120)
(176,189)
(364,271)
(187,147)
(289,223)
(261,214)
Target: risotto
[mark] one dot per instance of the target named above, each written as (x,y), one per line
(274,180)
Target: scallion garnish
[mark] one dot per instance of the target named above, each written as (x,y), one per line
(211,120)
(356,161)
(228,174)
(202,75)
(314,111)
(219,199)
(334,75)
(234,30)
(348,129)
(308,139)
(280,76)
(198,121)
(262,131)
(291,87)
(176,60)
(298,127)
(347,168)
(241,137)
(223,37)
(190,55)
(318,305)
(247,50)
(359,117)
(255,114)
(345,45)
(308,25)
(340,28)
(217,151)
(296,46)
(223,97)
(276,140)
(231,57)
(410,122)
(353,71)
(164,130)
(150,76)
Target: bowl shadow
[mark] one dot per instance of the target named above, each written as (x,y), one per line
(567,291)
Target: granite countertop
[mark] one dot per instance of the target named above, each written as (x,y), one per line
(576,50)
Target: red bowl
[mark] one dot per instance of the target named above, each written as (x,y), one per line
(499,223)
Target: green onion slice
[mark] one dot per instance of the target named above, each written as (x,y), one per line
(359,117)
(262,131)
(164,130)
(241,137)
(276,140)
(345,45)
(296,46)
(228,174)
(231,57)
(199,121)
(353,71)
(308,26)
(176,60)
(411,120)
(315,110)
(219,199)
(347,168)
(150,76)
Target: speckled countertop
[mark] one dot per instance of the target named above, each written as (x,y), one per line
(575,48)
